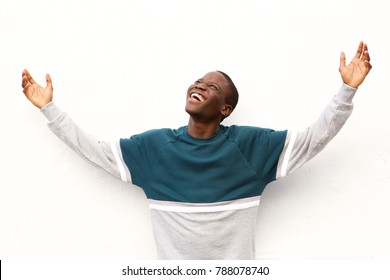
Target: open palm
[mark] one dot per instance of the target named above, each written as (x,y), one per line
(38,95)
(356,71)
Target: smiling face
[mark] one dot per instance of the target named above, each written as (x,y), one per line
(206,98)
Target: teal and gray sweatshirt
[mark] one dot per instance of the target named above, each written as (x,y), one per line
(204,194)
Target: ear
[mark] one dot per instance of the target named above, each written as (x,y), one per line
(226,110)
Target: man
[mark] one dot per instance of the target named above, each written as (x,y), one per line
(204,181)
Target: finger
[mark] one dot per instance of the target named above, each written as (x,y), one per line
(28,89)
(366,56)
(30,79)
(365,47)
(24,73)
(342,61)
(368,66)
(359,50)
(25,82)
(24,78)
(49,83)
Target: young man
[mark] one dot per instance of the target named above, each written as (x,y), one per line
(204,181)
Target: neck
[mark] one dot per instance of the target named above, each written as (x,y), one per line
(202,130)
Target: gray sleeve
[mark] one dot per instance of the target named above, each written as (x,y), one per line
(106,155)
(301,146)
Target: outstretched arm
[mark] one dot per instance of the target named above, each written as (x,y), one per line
(301,146)
(100,153)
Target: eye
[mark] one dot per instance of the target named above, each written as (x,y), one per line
(214,87)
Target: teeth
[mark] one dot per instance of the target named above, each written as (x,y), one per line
(197,96)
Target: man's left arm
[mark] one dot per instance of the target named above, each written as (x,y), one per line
(302,146)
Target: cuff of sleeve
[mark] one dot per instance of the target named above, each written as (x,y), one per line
(346,93)
(51,111)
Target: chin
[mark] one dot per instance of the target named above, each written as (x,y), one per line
(190,110)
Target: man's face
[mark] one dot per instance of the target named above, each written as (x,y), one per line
(206,97)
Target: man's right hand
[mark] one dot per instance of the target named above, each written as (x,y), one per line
(37,95)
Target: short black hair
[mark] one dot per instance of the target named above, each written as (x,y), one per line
(232,97)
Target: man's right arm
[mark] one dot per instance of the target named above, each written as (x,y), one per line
(106,155)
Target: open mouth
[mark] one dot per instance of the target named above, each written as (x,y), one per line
(197,97)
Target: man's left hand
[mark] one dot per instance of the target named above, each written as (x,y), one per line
(355,72)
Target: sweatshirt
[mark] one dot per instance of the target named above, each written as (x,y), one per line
(204,194)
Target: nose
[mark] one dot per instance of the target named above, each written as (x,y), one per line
(201,85)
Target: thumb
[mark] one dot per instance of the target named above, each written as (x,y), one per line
(49,83)
(342,61)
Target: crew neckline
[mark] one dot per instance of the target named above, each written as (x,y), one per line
(219,132)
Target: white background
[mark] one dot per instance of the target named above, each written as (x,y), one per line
(122,67)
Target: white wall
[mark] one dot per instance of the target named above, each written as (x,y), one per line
(121,67)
